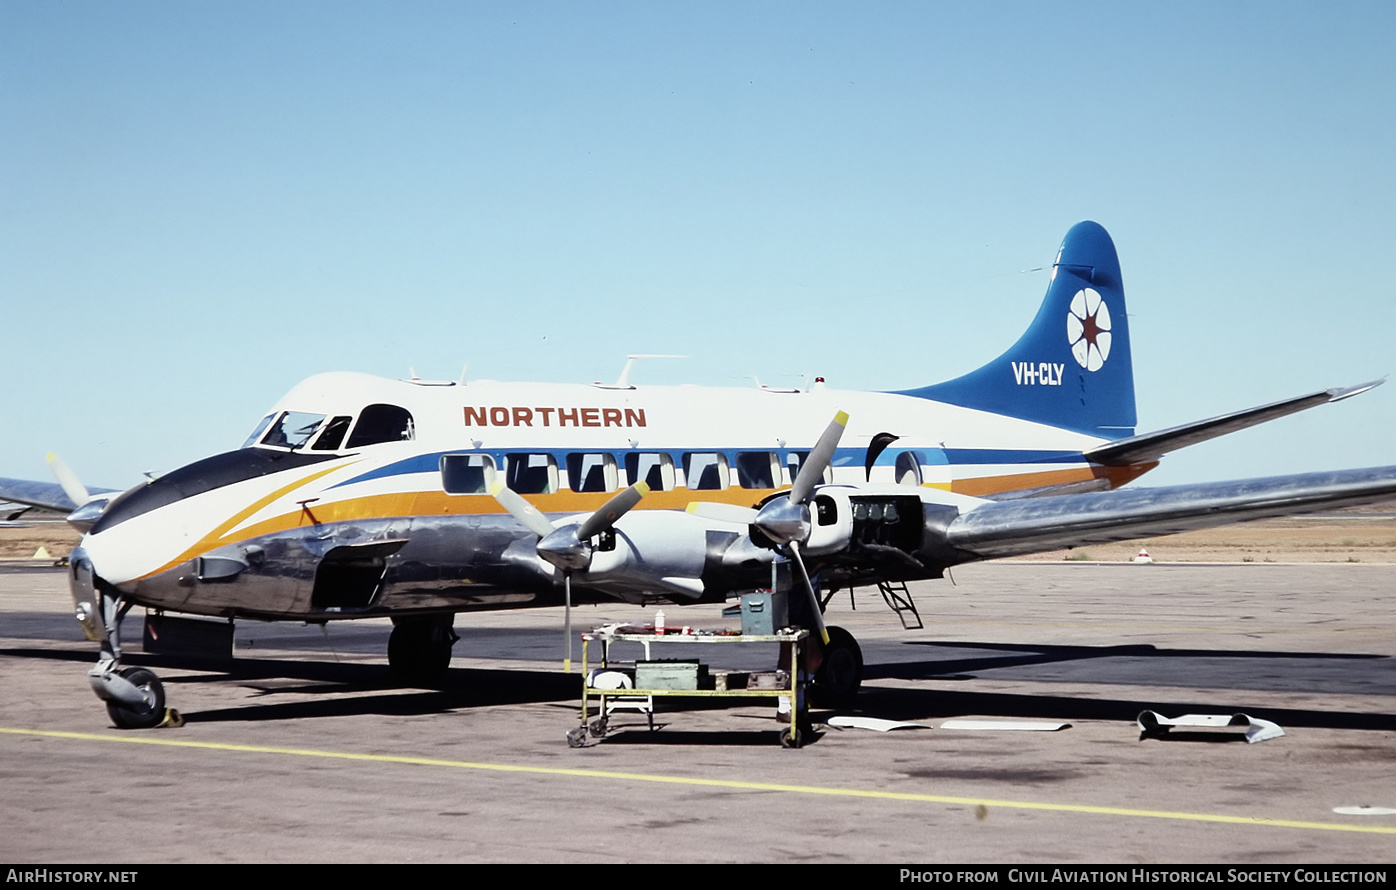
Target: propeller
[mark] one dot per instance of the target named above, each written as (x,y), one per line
(68,481)
(87,507)
(785,521)
(568,547)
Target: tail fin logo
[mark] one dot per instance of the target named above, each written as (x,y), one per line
(1088,329)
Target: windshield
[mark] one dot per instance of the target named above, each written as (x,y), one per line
(292,429)
(257,433)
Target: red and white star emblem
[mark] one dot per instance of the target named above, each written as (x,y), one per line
(1088,329)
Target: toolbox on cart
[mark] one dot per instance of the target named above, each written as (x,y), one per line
(765,612)
(670,674)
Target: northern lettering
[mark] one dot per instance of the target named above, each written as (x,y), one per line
(519,415)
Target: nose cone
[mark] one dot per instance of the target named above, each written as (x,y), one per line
(564,549)
(783,521)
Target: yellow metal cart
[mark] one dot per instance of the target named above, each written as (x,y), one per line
(790,737)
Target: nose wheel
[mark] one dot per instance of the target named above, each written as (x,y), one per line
(146,714)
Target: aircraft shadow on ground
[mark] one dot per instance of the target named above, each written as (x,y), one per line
(335,689)
(329,689)
(1173,664)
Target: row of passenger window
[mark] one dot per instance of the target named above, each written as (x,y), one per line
(599,471)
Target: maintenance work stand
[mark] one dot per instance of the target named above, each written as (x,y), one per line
(686,679)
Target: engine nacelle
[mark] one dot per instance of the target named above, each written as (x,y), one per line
(891,529)
(653,551)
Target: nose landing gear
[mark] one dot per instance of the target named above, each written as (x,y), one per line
(135,697)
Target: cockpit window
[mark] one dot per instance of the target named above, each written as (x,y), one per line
(292,429)
(257,433)
(333,434)
(382,423)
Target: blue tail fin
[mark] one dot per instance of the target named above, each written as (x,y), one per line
(1072,367)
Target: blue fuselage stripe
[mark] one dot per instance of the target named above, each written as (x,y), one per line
(844,457)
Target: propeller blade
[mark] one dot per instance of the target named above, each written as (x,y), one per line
(567,621)
(522,510)
(721,512)
(813,594)
(68,480)
(611,511)
(812,470)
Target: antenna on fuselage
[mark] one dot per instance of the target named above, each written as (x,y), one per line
(623,381)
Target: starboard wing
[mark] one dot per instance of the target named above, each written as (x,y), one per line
(1008,528)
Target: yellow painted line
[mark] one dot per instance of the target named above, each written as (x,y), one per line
(1259,821)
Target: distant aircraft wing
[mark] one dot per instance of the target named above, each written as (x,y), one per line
(1152,446)
(995,529)
(10,512)
(49,495)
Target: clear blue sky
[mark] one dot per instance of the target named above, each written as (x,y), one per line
(201,204)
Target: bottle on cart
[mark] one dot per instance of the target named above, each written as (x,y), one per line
(659,622)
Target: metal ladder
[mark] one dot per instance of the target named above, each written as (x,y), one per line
(897,597)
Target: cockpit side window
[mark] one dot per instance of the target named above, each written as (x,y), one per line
(257,433)
(382,423)
(292,429)
(333,434)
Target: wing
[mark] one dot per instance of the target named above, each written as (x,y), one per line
(49,495)
(995,529)
(1152,446)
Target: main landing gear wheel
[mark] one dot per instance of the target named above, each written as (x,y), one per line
(840,674)
(148,714)
(419,649)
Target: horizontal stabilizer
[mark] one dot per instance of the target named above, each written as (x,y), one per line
(1009,528)
(1152,446)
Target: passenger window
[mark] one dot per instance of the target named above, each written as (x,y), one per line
(382,423)
(591,472)
(705,470)
(908,468)
(531,473)
(796,459)
(467,473)
(654,469)
(757,469)
(333,434)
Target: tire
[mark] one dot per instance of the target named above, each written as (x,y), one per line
(840,674)
(789,739)
(144,716)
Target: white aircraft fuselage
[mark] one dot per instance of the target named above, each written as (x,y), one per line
(446,544)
